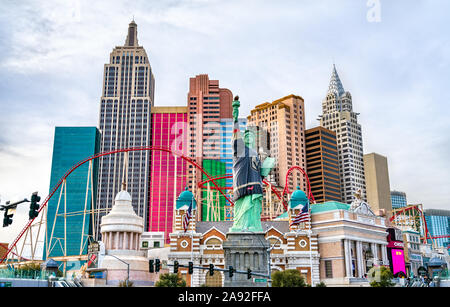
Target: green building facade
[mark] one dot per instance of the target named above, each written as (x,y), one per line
(216,212)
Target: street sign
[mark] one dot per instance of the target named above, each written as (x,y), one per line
(94,248)
(259,280)
(422,271)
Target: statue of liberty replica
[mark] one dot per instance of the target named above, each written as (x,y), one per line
(246,247)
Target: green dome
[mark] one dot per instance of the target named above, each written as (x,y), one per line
(329,206)
(298,198)
(185,199)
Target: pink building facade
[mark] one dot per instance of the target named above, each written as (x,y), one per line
(168,173)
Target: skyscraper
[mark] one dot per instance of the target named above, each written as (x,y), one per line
(68,230)
(339,117)
(377,182)
(208,104)
(284,122)
(398,199)
(168,173)
(125,111)
(438,222)
(322,164)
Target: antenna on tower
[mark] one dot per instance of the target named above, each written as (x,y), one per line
(125,171)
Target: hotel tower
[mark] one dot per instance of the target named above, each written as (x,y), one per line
(125,114)
(283,121)
(209,108)
(338,116)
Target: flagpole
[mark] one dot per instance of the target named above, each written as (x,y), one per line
(175,194)
(192,232)
(310,248)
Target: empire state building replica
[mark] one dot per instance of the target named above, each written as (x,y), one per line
(125,113)
(338,116)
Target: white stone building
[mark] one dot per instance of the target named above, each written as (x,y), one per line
(121,231)
(339,117)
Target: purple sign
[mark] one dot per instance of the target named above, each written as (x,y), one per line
(398,261)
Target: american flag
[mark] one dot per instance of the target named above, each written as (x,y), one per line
(302,216)
(187,217)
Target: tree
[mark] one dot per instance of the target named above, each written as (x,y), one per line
(170,280)
(321,285)
(124,283)
(288,278)
(380,277)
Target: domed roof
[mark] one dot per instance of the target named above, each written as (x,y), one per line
(298,198)
(122,217)
(123,195)
(185,198)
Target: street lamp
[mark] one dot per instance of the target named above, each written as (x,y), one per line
(128,266)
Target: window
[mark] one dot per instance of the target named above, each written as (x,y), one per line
(156,244)
(328,269)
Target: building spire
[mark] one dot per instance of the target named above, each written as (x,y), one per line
(132,40)
(335,83)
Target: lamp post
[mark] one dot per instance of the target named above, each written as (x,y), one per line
(128,266)
(269,280)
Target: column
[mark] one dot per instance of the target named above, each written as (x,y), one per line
(131,241)
(347,259)
(117,240)
(374,248)
(105,239)
(126,238)
(359,259)
(384,255)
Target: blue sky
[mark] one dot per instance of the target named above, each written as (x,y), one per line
(52,55)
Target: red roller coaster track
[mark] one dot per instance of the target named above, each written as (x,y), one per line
(427,234)
(187,159)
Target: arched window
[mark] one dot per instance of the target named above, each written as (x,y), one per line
(213,243)
(275,242)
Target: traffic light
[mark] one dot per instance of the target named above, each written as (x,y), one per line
(157,265)
(151,267)
(249,274)
(34,206)
(211,269)
(191,267)
(230,271)
(7,220)
(175,266)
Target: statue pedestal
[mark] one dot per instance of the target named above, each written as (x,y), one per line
(244,250)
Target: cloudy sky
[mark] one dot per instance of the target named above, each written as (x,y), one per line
(393,56)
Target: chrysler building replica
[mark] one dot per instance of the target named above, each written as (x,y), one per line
(338,116)
(125,113)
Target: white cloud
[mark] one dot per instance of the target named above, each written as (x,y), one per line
(52,55)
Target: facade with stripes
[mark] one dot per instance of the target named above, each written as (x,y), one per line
(322,164)
(339,117)
(168,172)
(125,111)
(208,106)
(283,120)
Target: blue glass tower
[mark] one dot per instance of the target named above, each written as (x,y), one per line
(71,145)
(226,150)
(438,222)
(398,200)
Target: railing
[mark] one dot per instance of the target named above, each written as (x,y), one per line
(24,274)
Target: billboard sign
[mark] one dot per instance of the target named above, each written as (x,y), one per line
(398,261)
